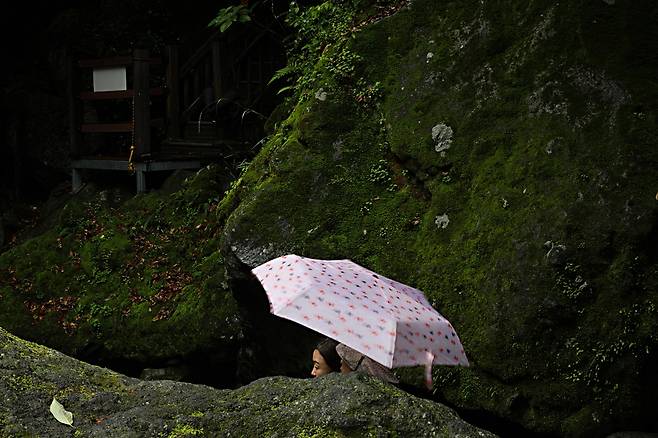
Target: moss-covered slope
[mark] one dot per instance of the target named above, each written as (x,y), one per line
(501,157)
(141,280)
(107,404)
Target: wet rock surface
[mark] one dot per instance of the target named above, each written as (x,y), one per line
(107,404)
(517,191)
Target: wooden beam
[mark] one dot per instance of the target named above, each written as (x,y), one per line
(125,94)
(76,180)
(173,98)
(91,163)
(151,166)
(105,62)
(13,128)
(217,69)
(140,177)
(114,62)
(74,107)
(142,108)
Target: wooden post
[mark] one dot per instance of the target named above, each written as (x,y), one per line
(197,86)
(141,179)
(142,120)
(187,100)
(217,69)
(74,108)
(173,97)
(76,180)
(13,128)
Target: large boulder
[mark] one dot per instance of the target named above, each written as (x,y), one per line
(501,157)
(107,404)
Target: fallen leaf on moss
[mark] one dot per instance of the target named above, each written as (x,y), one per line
(61,414)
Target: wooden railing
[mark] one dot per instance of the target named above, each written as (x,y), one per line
(224,76)
(228,69)
(197,82)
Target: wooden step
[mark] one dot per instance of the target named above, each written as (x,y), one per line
(206,130)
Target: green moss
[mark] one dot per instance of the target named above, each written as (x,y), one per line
(543,194)
(115,274)
(183,430)
(28,383)
(318,432)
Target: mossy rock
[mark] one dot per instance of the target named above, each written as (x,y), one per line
(507,170)
(108,404)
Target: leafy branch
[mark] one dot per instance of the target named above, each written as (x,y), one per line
(232,14)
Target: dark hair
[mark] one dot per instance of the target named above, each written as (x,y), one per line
(327,348)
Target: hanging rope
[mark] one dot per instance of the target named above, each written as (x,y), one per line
(131,165)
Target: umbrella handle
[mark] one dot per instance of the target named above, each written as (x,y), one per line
(428,370)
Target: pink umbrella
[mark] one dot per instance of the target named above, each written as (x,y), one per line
(389,322)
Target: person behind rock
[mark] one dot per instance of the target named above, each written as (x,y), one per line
(352,360)
(325,358)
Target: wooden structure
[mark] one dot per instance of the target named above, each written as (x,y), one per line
(174,115)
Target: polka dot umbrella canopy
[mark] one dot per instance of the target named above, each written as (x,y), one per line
(389,322)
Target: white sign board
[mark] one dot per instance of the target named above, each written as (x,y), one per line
(110,79)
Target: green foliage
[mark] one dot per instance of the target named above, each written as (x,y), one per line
(343,63)
(321,57)
(367,94)
(232,14)
(315,29)
(379,173)
(124,275)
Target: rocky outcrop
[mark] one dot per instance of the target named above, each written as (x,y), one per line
(107,404)
(499,156)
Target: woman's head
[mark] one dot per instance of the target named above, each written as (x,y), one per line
(325,358)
